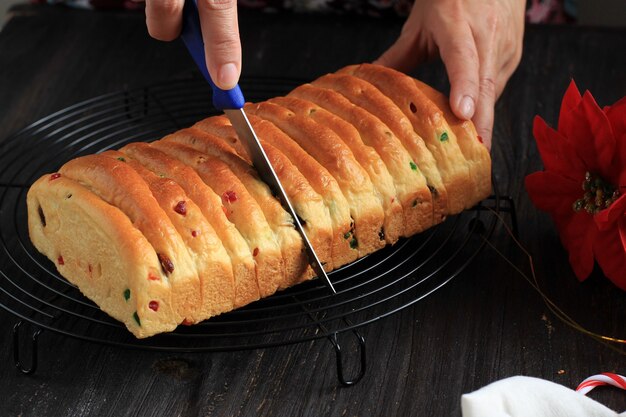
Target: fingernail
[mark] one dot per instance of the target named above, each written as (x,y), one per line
(467,107)
(227,76)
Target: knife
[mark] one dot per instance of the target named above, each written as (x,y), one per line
(232,102)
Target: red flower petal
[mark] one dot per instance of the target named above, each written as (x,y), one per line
(619,164)
(578,238)
(555,194)
(588,131)
(552,192)
(546,139)
(602,134)
(606,218)
(571,100)
(617,117)
(556,152)
(621,226)
(610,253)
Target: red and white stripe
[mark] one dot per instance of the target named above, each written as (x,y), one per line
(604,378)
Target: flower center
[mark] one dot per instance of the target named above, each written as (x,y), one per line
(599,195)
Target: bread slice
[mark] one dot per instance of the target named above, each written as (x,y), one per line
(429,123)
(96,247)
(280,221)
(240,255)
(365,155)
(413,192)
(369,99)
(118,184)
(343,251)
(323,145)
(211,260)
(469,142)
(241,209)
(308,204)
(221,127)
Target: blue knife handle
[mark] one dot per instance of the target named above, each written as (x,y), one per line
(192,37)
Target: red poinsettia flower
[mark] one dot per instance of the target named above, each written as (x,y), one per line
(583,185)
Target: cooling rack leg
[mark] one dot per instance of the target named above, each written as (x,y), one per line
(505,204)
(16,349)
(513,214)
(339,354)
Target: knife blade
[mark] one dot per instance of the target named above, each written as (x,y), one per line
(232,102)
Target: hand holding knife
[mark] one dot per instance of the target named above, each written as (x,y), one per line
(232,102)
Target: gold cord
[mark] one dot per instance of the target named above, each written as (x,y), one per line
(560,314)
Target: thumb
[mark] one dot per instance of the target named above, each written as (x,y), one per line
(460,56)
(220,32)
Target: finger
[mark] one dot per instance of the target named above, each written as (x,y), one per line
(458,53)
(164,18)
(407,52)
(483,118)
(222,46)
(488,83)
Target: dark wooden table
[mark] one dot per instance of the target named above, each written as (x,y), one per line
(485,325)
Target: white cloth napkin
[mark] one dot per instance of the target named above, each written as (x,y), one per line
(522,396)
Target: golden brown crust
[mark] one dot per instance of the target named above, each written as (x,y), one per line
(413,193)
(119,185)
(113,263)
(210,258)
(367,97)
(308,204)
(429,123)
(221,127)
(322,143)
(281,222)
(246,288)
(321,181)
(365,155)
(242,209)
(470,143)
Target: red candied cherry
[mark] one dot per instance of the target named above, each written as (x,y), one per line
(60,260)
(55,176)
(229,197)
(153,305)
(181,208)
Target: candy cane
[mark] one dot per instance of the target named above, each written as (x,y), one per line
(605,378)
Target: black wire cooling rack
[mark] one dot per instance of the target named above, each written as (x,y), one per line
(368,290)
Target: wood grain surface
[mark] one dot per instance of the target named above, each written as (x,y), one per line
(485,325)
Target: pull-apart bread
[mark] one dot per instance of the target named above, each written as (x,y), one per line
(182,229)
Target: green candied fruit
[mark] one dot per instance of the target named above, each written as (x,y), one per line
(443,137)
(127,294)
(354,244)
(347,235)
(136,317)
(121,159)
(413,166)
